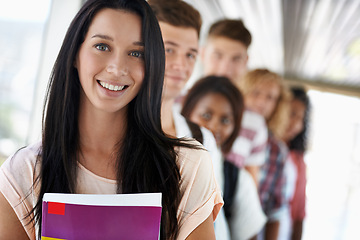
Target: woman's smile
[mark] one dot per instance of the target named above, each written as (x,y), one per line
(112,87)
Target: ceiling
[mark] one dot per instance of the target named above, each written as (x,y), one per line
(311,42)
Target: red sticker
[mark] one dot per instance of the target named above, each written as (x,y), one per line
(56,208)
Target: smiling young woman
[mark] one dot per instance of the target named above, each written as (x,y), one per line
(102,116)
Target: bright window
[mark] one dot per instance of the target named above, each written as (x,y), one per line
(333,164)
(22,25)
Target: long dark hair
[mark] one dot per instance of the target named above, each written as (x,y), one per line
(147,159)
(223,86)
(299,143)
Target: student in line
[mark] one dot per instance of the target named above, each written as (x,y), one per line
(102,130)
(265,93)
(295,137)
(225,53)
(215,103)
(180,25)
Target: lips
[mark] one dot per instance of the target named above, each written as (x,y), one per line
(176,78)
(112,87)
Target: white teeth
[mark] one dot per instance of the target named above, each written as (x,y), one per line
(111,87)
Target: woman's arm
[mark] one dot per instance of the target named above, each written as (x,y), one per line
(297,230)
(10,226)
(204,231)
(272,230)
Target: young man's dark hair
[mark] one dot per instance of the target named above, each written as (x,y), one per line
(231,28)
(177,13)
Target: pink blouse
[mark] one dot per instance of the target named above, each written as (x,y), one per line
(200,193)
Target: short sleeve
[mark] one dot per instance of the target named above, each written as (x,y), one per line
(201,195)
(16,184)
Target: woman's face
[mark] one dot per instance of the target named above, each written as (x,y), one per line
(110,61)
(296,120)
(214,112)
(263,98)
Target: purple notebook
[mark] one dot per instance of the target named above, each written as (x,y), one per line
(89,216)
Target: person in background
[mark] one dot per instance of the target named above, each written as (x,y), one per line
(215,103)
(180,25)
(295,137)
(225,54)
(265,93)
(102,116)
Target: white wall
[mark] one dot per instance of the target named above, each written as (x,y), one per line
(61,14)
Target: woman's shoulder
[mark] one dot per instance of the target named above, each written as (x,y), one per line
(197,150)
(190,159)
(24,158)
(196,169)
(17,178)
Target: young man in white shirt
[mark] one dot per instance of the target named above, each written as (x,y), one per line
(180,25)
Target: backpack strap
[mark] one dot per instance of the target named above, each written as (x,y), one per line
(195,131)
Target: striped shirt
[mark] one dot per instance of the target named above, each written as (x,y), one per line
(249,147)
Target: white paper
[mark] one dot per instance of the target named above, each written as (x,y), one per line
(136,199)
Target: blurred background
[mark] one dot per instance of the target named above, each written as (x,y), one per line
(313,43)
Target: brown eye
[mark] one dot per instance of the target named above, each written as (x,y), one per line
(225,121)
(191,56)
(206,116)
(169,50)
(137,54)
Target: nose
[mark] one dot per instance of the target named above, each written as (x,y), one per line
(257,102)
(178,62)
(213,126)
(117,66)
(224,69)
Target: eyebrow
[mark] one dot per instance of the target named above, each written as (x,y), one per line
(176,45)
(139,43)
(106,37)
